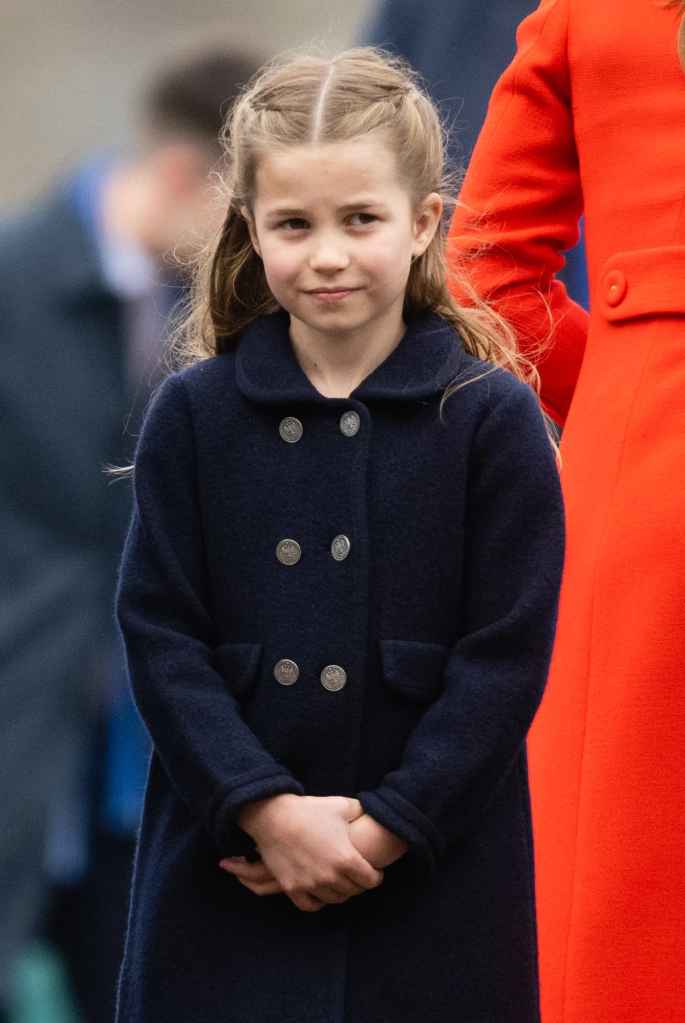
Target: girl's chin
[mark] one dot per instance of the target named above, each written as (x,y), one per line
(333,323)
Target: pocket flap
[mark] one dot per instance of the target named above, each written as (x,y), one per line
(643,282)
(239,664)
(414,669)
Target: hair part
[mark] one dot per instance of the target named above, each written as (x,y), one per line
(304,99)
(299,100)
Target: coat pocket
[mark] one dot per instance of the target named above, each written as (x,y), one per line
(414,669)
(239,664)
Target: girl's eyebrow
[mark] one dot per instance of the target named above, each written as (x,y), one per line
(364,204)
(285,211)
(297,211)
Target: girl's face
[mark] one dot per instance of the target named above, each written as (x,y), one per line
(336,231)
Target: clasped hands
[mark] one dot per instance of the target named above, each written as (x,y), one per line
(317,850)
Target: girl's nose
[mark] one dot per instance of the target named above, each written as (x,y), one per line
(328,255)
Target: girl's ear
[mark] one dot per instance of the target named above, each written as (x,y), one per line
(251,228)
(426,220)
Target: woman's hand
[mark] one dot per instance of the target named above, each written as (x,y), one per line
(306,850)
(375,843)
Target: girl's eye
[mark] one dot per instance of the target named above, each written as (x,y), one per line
(367,218)
(293,224)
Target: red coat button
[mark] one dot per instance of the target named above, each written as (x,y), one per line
(615,287)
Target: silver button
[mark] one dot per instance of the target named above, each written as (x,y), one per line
(288,552)
(333,678)
(349,423)
(340,547)
(290,429)
(286,672)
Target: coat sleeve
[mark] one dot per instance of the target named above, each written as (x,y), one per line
(521,202)
(469,737)
(213,760)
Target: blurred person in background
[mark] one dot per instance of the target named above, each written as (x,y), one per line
(461,47)
(86,287)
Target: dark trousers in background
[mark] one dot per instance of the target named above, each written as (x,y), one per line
(85,921)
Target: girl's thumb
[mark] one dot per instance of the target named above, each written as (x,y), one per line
(353,808)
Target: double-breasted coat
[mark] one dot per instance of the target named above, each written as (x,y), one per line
(590,117)
(398,656)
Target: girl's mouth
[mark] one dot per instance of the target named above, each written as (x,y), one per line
(332,295)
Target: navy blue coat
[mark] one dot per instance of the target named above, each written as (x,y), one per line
(442,615)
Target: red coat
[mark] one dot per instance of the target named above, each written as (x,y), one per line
(591,116)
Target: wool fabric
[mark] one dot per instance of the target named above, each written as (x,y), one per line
(442,616)
(588,118)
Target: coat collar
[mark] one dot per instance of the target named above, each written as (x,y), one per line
(428,356)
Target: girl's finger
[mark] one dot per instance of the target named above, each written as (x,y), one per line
(243,870)
(307,903)
(348,888)
(324,893)
(353,808)
(264,888)
(361,873)
(344,886)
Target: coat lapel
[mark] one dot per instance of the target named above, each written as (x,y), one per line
(428,356)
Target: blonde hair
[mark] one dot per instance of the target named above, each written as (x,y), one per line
(300,99)
(296,100)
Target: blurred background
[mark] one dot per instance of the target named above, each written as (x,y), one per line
(110,117)
(72,69)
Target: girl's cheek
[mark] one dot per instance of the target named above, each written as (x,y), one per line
(272,271)
(389,252)
(277,287)
(279,266)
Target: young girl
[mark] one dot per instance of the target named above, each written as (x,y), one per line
(338,595)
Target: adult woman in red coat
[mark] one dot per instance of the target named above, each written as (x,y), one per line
(590,117)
